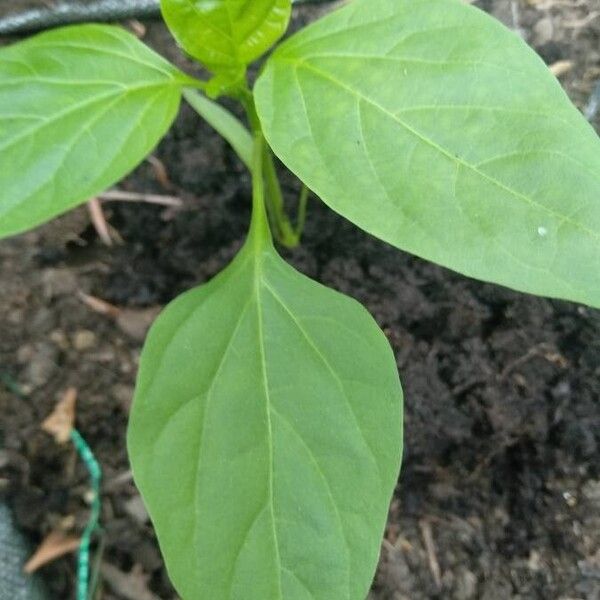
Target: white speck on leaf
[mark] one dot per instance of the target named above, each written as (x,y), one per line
(542,231)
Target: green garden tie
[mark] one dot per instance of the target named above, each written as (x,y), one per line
(83,557)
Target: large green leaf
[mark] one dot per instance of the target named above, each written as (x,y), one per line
(79,108)
(433,127)
(228,34)
(266,435)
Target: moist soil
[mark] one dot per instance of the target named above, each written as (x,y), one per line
(499,495)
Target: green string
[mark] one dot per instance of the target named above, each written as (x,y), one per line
(95,472)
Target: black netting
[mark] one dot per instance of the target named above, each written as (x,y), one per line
(14,584)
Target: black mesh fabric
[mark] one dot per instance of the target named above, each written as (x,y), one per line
(14,551)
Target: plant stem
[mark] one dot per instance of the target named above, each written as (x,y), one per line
(226,124)
(285,233)
(259,226)
(302,208)
(260,231)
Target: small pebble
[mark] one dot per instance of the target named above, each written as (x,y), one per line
(466,585)
(591,491)
(58,282)
(123,394)
(135,323)
(543,31)
(135,508)
(59,338)
(41,364)
(84,339)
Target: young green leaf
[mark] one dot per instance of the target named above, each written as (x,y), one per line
(266,435)
(226,35)
(79,108)
(433,127)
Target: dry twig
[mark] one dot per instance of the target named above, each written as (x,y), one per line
(121,196)
(434,565)
(160,172)
(99,221)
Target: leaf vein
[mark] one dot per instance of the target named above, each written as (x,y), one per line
(358,95)
(325,362)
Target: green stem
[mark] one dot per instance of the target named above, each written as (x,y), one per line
(260,232)
(259,226)
(302,208)
(283,227)
(271,195)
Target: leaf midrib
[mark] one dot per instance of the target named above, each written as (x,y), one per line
(255,259)
(261,341)
(260,284)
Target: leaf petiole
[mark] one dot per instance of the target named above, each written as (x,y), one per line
(224,123)
(283,230)
(260,232)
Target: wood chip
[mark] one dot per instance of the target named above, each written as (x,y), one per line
(60,422)
(57,544)
(561,67)
(131,586)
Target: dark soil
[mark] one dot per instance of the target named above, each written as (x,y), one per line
(499,495)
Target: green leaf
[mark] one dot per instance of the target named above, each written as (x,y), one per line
(222,121)
(433,127)
(265,436)
(229,34)
(80,107)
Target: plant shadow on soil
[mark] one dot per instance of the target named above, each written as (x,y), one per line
(499,495)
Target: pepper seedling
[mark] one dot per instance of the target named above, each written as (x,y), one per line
(266,429)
